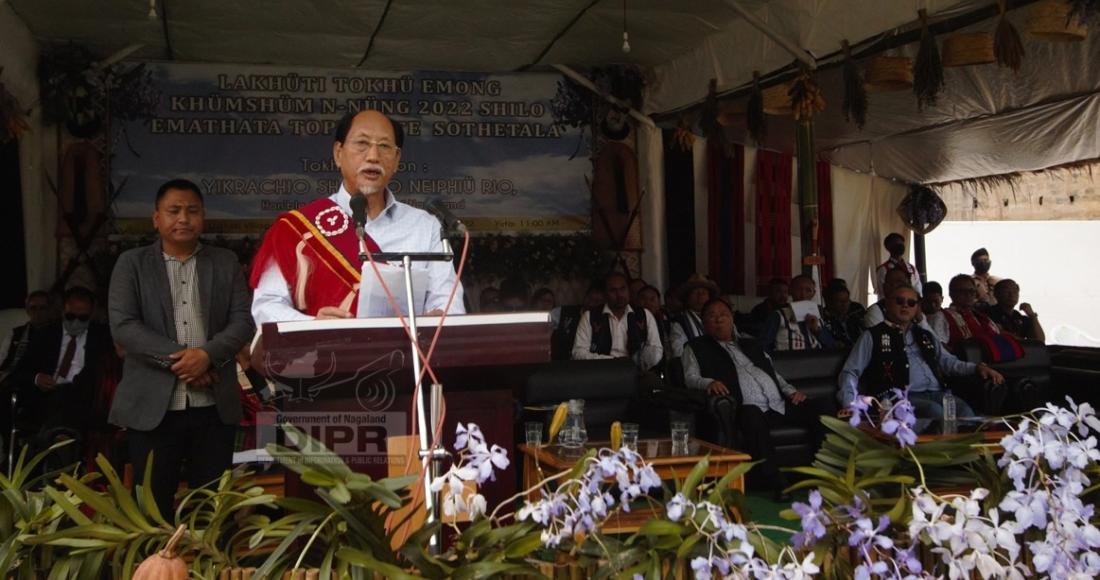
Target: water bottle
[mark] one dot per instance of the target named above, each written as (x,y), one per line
(574,434)
(950,416)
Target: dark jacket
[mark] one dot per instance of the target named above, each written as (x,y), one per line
(43,356)
(716,363)
(142,322)
(889,365)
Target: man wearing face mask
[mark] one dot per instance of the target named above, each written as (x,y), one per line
(983,280)
(62,369)
(895,244)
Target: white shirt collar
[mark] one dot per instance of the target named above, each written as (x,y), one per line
(607,310)
(343,199)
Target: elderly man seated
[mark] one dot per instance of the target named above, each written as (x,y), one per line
(1020,324)
(784,331)
(964,321)
(897,353)
(726,367)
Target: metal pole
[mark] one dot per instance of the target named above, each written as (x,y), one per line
(920,257)
(429,499)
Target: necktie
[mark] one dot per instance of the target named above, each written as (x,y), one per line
(67,360)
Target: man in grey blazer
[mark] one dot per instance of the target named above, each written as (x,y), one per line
(180,311)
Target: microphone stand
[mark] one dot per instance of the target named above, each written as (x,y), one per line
(431,460)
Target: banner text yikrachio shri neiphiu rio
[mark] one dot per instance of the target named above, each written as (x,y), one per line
(258,140)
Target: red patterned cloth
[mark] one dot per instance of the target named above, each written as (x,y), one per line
(317,252)
(971,324)
(773,217)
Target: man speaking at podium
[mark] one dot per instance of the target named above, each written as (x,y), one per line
(308,265)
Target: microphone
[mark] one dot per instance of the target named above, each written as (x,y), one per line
(447,218)
(359,212)
(359,217)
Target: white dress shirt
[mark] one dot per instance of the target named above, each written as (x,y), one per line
(647,356)
(400,227)
(77,364)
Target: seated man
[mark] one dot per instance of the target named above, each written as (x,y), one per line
(897,353)
(61,372)
(617,330)
(564,320)
(649,298)
(13,349)
(963,321)
(783,331)
(876,312)
(688,324)
(723,366)
(932,300)
(777,297)
(1012,322)
(841,319)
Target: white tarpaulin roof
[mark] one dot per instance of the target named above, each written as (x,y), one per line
(988,121)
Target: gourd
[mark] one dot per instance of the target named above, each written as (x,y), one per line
(165,564)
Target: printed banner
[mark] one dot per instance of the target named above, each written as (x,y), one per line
(258,140)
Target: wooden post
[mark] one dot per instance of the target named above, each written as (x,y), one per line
(807,195)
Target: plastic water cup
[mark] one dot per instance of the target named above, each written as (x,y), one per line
(534,433)
(680,431)
(630,436)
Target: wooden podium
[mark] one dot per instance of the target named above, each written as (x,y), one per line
(349,382)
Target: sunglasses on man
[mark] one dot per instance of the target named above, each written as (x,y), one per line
(83,317)
(910,302)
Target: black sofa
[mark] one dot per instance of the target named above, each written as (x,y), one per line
(610,388)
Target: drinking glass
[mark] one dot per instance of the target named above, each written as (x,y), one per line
(680,431)
(630,436)
(534,433)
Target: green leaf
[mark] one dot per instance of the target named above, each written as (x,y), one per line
(694,477)
(317,478)
(398,483)
(265,569)
(67,506)
(738,471)
(340,493)
(98,503)
(524,546)
(873,481)
(365,560)
(900,510)
(122,495)
(659,527)
(493,570)
(686,547)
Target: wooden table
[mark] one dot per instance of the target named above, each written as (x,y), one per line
(544,461)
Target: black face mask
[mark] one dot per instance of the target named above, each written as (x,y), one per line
(896,249)
(982,267)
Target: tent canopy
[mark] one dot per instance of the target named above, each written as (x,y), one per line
(988,121)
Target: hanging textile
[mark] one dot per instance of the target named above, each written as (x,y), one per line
(726,216)
(679,209)
(773,217)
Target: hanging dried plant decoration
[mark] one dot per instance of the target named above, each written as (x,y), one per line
(1085,11)
(756,121)
(683,137)
(855,92)
(928,70)
(1007,46)
(807,99)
